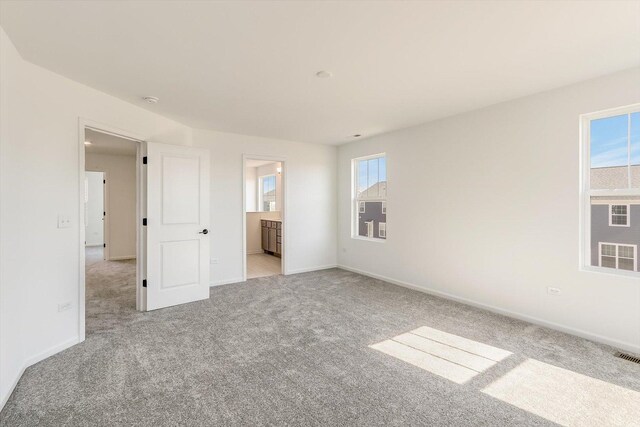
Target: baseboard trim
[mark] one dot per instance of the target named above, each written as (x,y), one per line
(35,359)
(51,351)
(256,252)
(6,397)
(310,269)
(121,258)
(494,309)
(226,282)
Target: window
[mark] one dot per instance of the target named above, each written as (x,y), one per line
(382,230)
(370,196)
(622,257)
(619,215)
(611,188)
(268,193)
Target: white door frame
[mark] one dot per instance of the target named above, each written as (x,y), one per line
(283,213)
(105,209)
(140,212)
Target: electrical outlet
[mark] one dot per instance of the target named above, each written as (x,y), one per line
(64,306)
(553,291)
(64,221)
(214,260)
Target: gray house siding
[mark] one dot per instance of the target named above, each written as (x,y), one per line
(373,212)
(601,231)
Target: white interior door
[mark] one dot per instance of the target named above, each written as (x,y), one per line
(177,225)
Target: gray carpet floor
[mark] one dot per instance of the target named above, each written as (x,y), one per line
(284,350)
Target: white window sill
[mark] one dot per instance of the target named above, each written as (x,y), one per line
(611,271)
(369,239)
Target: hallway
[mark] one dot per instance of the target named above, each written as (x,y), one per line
(110,292)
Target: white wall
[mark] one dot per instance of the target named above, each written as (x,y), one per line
(39,180)
(311,205)
(251,189)
(121,202)
(484,207)
(93,217)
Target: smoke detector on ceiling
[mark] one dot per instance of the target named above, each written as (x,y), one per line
(151,99)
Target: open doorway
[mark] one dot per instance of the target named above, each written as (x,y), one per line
(111,238)
(264,217)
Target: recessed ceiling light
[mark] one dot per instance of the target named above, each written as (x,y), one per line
(87,143)
(151,99)
(323,74)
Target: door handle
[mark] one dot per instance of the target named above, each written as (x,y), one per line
(205,231)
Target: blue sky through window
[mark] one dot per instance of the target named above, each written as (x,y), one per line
(370,172)
(268,184)
(609,143)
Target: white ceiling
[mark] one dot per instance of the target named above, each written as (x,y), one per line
(249,66)
(102,143)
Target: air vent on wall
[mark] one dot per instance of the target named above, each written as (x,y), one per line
(628,357)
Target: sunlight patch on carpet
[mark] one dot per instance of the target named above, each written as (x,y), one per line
(447,355)
(566,397)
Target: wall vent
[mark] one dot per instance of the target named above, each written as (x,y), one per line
(628,357)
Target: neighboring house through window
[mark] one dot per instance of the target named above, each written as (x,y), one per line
(370,196)
(623,257)
(382,230)
(611,188)
(619,215)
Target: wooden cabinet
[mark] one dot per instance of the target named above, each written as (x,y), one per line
(271,237)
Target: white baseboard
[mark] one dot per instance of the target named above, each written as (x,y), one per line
(226,282)
(121,258)
(256,252)
(297,271)
(14,383)
(309,269)
(627,346)
(35,359)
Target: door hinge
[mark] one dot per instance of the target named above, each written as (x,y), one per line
(144,283)
(104,213)
(104,245)
(144,221)
(104,181)
(144,160)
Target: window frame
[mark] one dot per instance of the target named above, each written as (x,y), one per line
(261,192)
(355,202)
(382,226)
(586,192)
(617,245)
(627,215)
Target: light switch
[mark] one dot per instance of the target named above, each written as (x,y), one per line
(64,221)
